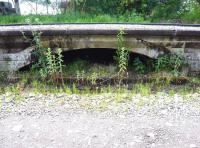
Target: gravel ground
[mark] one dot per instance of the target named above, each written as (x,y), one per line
(105,120)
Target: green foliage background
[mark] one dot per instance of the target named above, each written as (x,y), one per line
(157,10)
(132,11)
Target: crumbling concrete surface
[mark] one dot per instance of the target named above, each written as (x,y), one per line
(150,40)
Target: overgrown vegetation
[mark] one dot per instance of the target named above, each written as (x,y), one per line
(49,64)
(73,18)
(138,66)
(80,75)
(181,11)
(123,78)
(173,63)
(157,10)
(122,55)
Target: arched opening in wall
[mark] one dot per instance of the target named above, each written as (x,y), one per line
(100,61)
(97,55)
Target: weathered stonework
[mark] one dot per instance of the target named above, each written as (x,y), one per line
(193,58)
(149,40)
(15,61)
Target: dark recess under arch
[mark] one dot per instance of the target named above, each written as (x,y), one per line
(95,55)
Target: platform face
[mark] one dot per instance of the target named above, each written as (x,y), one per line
(103,29)
(150,40)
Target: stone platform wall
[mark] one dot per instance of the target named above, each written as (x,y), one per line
(150,40)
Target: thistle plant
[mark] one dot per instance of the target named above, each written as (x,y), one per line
(52,64)
(122,55)
(59,60)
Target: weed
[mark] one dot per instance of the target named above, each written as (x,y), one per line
(76,66)
(68,18)
(177,61)
(14,89)
(87,90)
(122,56)
(103,105)
(80,75)
(59,60)
(195,80)
(3,76)
(109,89)
(171,62)
(102,70)
(171,92)
(122,97)
(48,63)
(35,84)
(138,66)
(51,63)
(54,64)
(162,63)
(93,78)
(75,89)
(143,89)
(122,53)
(18,99)
(185,90)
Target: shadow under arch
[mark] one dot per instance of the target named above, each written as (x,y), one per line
(103,56)
(99,55)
